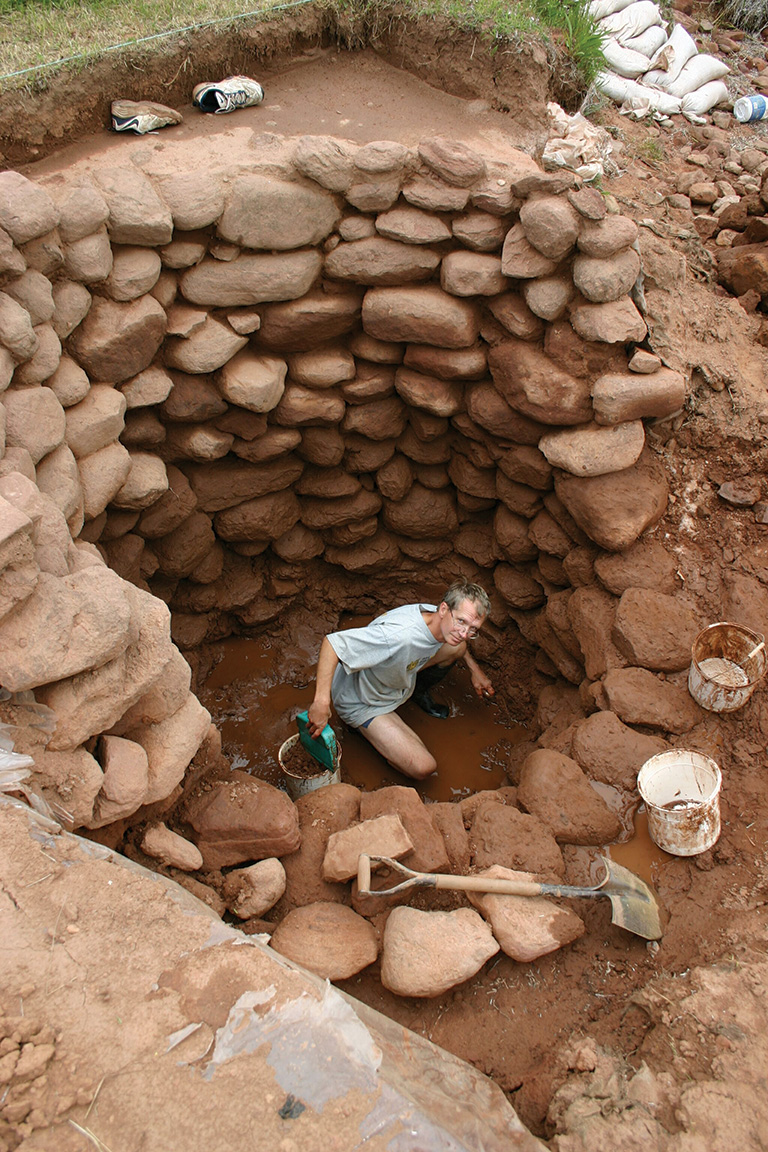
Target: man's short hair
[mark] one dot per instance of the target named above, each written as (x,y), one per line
(464,590)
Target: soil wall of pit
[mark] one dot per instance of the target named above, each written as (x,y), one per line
(71,105)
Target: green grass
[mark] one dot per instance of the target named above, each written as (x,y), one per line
(39,33)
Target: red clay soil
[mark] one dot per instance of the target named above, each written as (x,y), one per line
(515,1021)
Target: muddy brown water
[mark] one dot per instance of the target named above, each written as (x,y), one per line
(255,710)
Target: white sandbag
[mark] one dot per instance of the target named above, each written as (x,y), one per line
(702,99)
(649,42)
(636,97)
(633,21)
(671,58)
(702,69)
(576,144)
(599,9)
(624,62)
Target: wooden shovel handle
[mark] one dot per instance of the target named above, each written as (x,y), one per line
(364,873)
(488,884)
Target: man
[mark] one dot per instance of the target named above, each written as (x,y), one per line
(369,672)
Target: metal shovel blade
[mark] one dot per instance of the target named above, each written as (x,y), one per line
(633,904)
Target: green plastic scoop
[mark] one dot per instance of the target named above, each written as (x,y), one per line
(324,749)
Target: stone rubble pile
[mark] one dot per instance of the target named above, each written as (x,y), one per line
(317,916)
(371,358)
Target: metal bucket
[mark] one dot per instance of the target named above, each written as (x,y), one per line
(301,785)
(723,675)
(681,793)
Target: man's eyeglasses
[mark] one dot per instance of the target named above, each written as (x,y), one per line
(469,630)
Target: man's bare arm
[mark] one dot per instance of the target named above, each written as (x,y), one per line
(320,709)
(480,682)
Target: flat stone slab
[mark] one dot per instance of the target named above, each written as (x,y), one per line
(382,836)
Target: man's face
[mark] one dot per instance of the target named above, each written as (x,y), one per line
(460,623)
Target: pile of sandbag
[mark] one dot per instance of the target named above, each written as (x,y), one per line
(649,71)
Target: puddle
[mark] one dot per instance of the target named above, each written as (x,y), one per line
(253,703)
(640,854)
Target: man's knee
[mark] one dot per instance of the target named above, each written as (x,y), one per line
(419,766)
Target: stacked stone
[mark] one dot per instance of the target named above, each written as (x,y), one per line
(376,356)
(94,649)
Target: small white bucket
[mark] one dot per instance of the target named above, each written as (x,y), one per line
(724,672)
(301,785)
(681,793)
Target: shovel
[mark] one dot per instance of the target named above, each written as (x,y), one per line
(633,905)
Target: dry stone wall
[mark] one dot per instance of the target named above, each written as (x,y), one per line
(371,357)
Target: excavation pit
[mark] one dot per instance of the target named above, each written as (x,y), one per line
(384,462)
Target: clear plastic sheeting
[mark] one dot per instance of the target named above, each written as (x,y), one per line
(576,144)
(358,1080)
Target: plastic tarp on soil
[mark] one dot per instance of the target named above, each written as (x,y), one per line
(220,1041)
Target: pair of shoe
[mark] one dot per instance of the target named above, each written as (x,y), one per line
(144,116)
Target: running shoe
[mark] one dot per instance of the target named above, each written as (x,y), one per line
(142,116)
(228,95)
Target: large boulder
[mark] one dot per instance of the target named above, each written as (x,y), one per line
(137,215)
(611,752)
(644,564)
(654,630)
(315,318)
(422,513)
(501,834)
(614,510)
(67,625)
(330,940)
(126,775)
(616,322)
(440,397)
(519,258)
(262,212)
(116,341)
(93,700)
(254,890)
(381,836)
(242,818)
(426,953)
(533,384)
(526,927)
(321,813)
(26,209)
(420,315)
(638,696)
(619,396)
(35,420)
(554,788)
(95,421)
(251,278)
(378,260)
(593,450)
(206,349)
(551,224)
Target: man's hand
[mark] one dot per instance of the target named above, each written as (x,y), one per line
(318,716)
(481,683)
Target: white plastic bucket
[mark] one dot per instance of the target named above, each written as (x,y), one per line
(681,793)
(725,669)
(301,785)
(748,108)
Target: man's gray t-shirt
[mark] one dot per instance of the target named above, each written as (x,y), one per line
(378,664)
